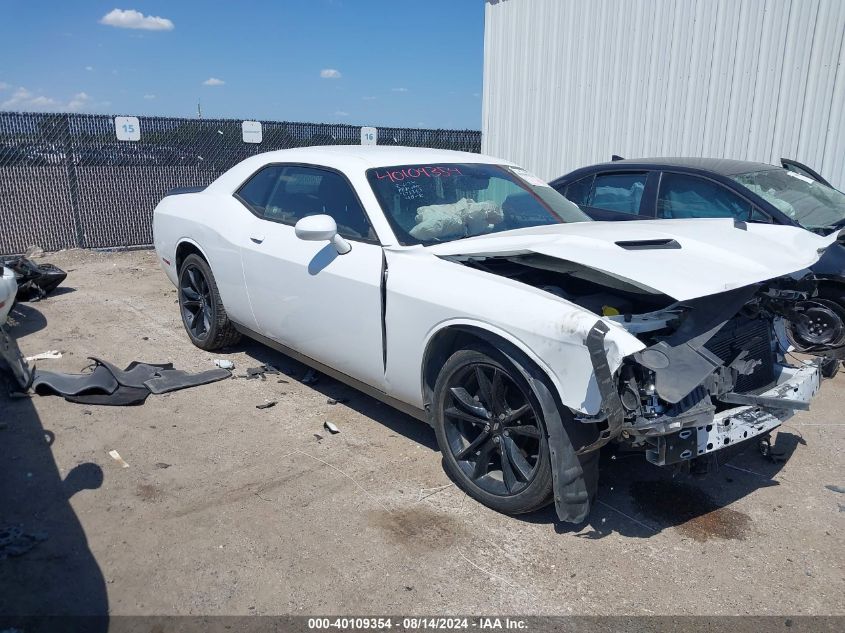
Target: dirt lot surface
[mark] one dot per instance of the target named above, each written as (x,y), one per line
(228,509)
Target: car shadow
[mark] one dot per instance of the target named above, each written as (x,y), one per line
(635,498)
(58,292)
(395,420)
(638,499)
(48,568)
(25,320)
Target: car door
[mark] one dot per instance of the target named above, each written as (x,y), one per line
(613,195)
(303,293)
(682,195)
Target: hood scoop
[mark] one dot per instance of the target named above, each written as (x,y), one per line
(648,245)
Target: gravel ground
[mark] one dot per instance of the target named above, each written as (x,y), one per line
(228,509)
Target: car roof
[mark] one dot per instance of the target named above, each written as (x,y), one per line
(723,166)
(375,155)
(347,159)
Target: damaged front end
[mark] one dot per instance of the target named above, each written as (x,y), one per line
(714,372)
(713,369)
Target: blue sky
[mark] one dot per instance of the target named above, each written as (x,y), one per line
(365,62)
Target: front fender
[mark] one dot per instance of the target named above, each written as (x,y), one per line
(489,333)
(567,361)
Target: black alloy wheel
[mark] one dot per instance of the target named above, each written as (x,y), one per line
(201,307)
(491,432)
(196,301)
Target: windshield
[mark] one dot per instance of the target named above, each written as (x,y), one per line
(810,203)
(429,204)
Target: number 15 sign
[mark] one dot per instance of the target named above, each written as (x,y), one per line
(127,128)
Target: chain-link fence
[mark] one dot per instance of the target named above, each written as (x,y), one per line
(67,181)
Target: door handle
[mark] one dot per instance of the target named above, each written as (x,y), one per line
(257,238)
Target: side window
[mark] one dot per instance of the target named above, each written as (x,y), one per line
(619,192)
(579,191)
(684,196)
(289,193)
(256,191)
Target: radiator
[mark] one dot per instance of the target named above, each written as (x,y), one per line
(755,335)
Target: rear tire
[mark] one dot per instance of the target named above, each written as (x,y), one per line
(201,307)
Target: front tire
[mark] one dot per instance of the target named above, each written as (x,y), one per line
(490,429)
(203,314)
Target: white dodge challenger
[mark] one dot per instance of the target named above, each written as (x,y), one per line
(465,291)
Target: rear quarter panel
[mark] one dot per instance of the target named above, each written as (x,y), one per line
(216,225)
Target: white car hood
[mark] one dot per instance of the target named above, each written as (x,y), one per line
(714,254)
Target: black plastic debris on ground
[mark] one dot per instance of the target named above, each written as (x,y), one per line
(267,405)
(253,373)
(107,385)
(35,281)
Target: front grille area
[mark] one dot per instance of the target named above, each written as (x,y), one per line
(754,335)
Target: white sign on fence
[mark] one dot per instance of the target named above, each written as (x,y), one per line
(369,136)
(252,131)
(127,128)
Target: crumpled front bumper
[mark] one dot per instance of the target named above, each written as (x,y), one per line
(757,415)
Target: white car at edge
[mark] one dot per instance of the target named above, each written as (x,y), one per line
(10,354)
(465,291)
(8,289)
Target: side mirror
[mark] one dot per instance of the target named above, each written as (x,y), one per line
(320,228)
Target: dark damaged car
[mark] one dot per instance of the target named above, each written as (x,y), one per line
(744,191)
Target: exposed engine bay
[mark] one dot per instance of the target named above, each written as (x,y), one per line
(714,370)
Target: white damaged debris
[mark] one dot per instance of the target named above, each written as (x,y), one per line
(48,355)
(117,458)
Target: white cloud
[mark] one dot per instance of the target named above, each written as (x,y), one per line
(4,86)
(149,97)
(79,102)
(368,98)
(341,113)
(330,73)
(89,68)
(25,100)
(399,90)
(213,81)
(132,19)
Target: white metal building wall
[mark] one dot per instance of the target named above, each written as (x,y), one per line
(567,83)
